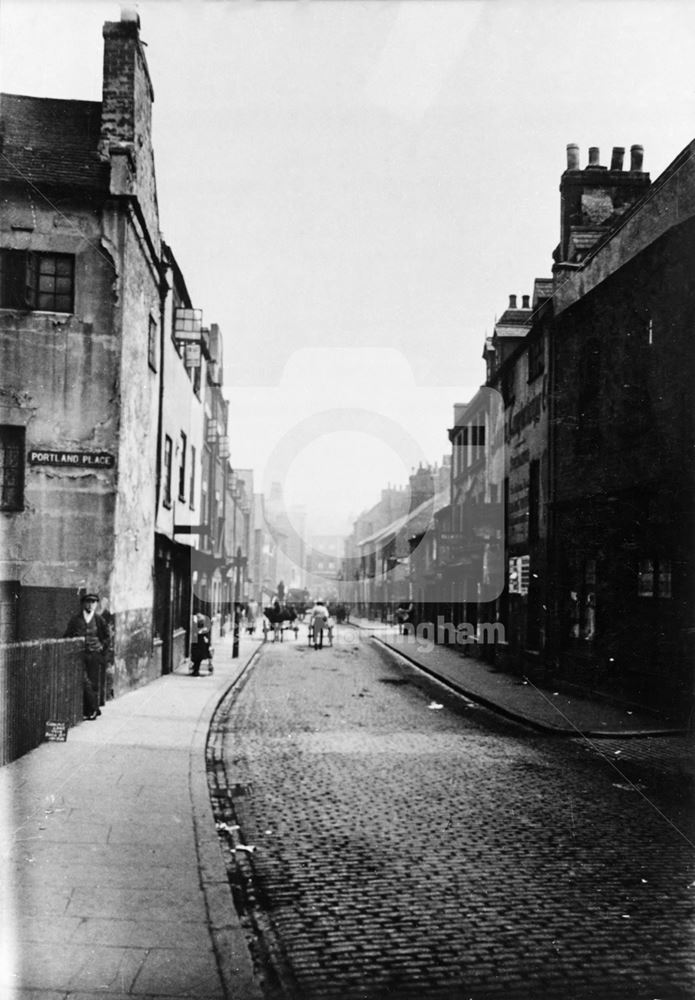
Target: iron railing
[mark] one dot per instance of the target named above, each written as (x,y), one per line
(39,681)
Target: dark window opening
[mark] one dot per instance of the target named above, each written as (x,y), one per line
(654,578)
(182,467)
(152,344)
(167,471)
(191,498)
(43,281)
(590,369)
(11,468)
(534,496)
(581,602)
(536,359)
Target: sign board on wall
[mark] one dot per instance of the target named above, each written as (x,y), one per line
(192,354)
(56,732)
(77,459)
(519,567)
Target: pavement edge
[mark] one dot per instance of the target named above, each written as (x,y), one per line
(519,717)
(234,960)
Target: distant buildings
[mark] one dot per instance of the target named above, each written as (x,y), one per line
(324,565)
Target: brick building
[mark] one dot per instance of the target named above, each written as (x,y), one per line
(516,358)
(594,371)
(362,561)
(622,487)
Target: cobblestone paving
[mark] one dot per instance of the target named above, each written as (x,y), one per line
(407,851)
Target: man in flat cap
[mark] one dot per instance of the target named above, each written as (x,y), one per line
(89,625)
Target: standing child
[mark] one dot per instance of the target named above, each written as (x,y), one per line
(200,642)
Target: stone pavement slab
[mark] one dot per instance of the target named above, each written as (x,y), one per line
(113,881)
(519,698)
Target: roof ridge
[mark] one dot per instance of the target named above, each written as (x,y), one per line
(48,100)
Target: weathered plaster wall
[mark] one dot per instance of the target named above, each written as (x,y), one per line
(183,410)
(131,582)
(59,382)
(131,223)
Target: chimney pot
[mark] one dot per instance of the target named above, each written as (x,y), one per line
(512,301)
(130,14)
(594,156)
(617,158)
(636,157)
(572,156)
(525,302)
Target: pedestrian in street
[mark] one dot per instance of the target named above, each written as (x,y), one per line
(404,615)
(251,612)
(318,616)
(200,642)
(90,626)
(275,618)
(109,620)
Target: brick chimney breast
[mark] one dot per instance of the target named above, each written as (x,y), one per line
(126,116)
(593,199)
(127,92)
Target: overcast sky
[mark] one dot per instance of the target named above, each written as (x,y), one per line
(353,189)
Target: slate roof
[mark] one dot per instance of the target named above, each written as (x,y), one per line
(51,142)
(514,317)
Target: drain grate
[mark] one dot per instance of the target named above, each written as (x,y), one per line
(393,680)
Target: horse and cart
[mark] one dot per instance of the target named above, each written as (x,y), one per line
(278,619)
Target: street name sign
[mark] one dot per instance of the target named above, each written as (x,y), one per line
(78,459)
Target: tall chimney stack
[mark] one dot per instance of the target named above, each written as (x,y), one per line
(594,156)
(126,116)
(512,301)
(127,92)
(525,302)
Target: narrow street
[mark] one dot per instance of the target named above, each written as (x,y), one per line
(408,844)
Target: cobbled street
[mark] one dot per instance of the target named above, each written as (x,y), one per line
(406,850)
